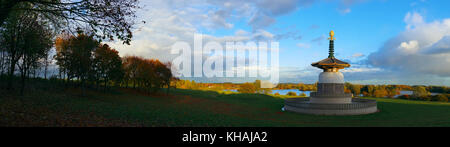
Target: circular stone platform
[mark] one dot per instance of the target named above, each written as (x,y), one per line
(356,107)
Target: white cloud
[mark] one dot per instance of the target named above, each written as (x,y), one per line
(172,20)
(344,5)
(169,21)
(241,33)
(345,11)
(262,35)
(413,19)
(409,47)
(422,49)
(361,69)
(319,40)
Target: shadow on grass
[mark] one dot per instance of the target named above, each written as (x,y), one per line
(182,107)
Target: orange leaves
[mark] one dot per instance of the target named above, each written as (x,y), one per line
(149,74)
(74,54)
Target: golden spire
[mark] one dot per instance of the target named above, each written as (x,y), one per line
(331,35)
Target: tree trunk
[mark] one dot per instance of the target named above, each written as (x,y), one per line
(97,84)
(106,82)
(11,74)
(2,64)
(82,87)
(22,87)
(168,88)
(24,71)
(45,68)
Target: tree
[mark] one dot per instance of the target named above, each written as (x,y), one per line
(267,90)
(47,61)
(257,84)
(369,90)
(392,91)
(302,87)
(107,18)
(302,94)
(3,57)
(247,88)
(441,98)
(160,76)
(315,86)
(107,65)
(37,42)
(74,56)
(165,74)
(26,40)
(291,93)
(130,65)
(420,91)
(12,39)
(380,91)
(404,97)
(149,74)
(353,88)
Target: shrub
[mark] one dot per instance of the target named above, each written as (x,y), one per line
(420,92)
(440,98)
(405,97)
(425,98)
(247,88)
(303,94)
(290,93)
(277,93)
(53,78)
(366,94)
(267,91)
(380,92)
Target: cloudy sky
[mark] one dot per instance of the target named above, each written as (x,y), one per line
(386,41)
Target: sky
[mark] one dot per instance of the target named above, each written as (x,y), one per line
(385,41)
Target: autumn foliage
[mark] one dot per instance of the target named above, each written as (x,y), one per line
(84,59)
(148,74)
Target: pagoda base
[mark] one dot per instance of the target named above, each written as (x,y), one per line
(356,107)
(333,100)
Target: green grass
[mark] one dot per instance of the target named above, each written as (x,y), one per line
(125,107)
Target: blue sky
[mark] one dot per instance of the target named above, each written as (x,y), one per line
(386,41)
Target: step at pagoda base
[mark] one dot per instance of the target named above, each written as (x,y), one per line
(356,107)
(330,98)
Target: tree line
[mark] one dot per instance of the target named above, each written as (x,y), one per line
(26,43)
(84,61)
(31,29)
(358,90)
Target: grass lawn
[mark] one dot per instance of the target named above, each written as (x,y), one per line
(126,107)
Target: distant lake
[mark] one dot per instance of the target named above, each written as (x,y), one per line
(280,91)
(410,93)
(285,91)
